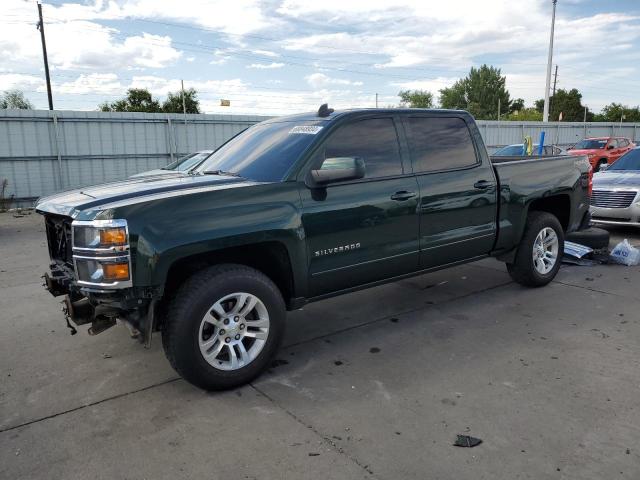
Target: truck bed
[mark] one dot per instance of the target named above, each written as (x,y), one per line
(522,179)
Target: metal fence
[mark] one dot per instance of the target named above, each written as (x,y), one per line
(43,152)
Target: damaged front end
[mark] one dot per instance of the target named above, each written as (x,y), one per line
(91,266)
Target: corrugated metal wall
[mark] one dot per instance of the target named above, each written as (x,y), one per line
(43,152)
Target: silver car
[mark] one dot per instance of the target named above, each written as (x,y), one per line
(616,192)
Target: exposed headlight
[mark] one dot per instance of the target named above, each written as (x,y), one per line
(101,271)
(100,234)
(101,253)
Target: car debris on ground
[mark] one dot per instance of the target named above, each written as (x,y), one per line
(466,441)
(625,254)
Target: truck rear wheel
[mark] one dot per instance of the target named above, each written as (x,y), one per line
(539,255)
(224,326)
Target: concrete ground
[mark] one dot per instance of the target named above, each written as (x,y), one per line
(375,384)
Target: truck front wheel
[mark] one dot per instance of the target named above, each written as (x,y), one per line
(539,255)
(224,326)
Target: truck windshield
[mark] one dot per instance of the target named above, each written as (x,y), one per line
(264,152)
(629,161)
(590,145)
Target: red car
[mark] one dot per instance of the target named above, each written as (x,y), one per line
(601,150)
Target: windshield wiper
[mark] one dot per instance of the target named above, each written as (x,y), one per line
(221,172)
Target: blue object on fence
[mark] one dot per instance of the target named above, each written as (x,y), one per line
(541,144)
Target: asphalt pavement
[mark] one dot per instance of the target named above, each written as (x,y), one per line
(374,384)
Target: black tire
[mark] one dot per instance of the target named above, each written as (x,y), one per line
(194,299)
(593,237)
(522,270)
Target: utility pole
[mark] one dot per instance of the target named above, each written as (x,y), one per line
(184,106)
(498,109)
(376,100)
(40,27)
(545,114)
(553,95)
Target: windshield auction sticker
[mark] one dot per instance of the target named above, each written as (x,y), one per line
(306,129)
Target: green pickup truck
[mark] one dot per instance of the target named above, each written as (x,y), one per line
(294,210)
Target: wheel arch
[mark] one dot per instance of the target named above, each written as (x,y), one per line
(558,205)
(270,258)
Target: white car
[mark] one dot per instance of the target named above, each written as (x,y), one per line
(616,192)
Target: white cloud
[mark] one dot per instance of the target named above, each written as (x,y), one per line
(94,83)
(229,16)
(320,80)
(266,66)
(432,86)
(10,81)
(220,57)
(265,53)
(79,44)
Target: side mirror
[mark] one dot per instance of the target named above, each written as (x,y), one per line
(336,169)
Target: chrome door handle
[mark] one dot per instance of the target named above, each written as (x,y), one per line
(482,184)
(402,195)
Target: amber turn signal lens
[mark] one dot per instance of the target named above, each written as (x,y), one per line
(115,271)
(113,236)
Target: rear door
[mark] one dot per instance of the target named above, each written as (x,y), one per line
(458,204)
(365,230)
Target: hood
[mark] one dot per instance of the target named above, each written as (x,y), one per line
(150,187)
(585,152)
(615,179)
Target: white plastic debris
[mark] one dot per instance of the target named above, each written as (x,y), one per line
(625,254)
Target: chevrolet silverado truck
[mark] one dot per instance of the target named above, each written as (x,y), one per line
(294,210)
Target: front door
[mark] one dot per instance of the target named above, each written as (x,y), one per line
(363,230)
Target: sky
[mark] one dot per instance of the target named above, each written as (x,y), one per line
(285,56)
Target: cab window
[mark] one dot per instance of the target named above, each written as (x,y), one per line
(440,143)
(374,140)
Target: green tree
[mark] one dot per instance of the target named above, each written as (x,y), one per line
(173,103)
(569,102)
(416,98)
(137,100)
(525,114)
(14,100)
(478,93)
(614,111)
(517,105)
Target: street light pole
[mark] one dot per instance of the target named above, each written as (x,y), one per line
(545,114)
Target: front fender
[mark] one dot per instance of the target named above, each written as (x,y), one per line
(165,231)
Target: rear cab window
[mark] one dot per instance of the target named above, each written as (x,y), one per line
(440,143)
